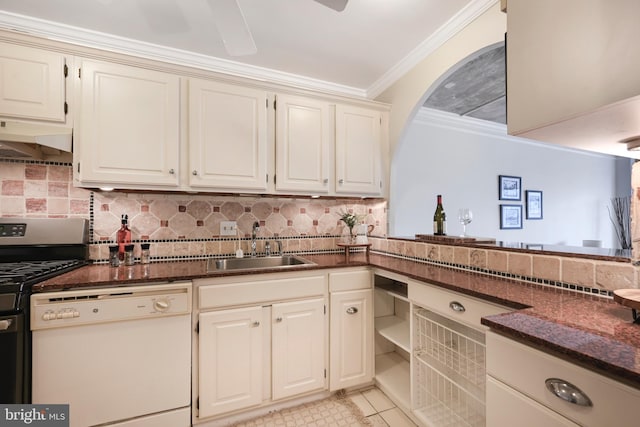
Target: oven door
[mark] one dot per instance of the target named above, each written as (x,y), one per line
(11,358)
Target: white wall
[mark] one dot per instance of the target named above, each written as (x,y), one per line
(461,159)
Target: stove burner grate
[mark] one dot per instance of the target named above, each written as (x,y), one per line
(30,270)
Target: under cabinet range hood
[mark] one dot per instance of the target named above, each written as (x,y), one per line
(21,140)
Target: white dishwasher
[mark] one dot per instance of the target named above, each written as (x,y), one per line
(117,356)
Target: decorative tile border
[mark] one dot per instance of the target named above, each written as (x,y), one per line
(395,251)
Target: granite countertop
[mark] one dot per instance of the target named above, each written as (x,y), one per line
(591,331)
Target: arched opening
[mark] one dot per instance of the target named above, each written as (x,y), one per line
(457,145)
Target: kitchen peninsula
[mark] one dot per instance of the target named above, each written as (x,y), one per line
(556,320)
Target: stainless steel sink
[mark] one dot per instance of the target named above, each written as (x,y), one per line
(259,263)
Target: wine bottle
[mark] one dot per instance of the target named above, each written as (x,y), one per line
(439,219)
(123,236)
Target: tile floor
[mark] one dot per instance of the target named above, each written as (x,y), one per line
(379,409)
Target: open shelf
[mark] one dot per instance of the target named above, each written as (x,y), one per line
(395,330)
(392,377)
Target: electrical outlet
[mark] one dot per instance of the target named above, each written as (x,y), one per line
(228,228)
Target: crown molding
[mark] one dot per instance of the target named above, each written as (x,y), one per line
(445,120)
(93,39)
(97,40)
(454,25)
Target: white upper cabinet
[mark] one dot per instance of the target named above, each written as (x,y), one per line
(358,151)
(228,145)
(32,83)
(572,73)
(128,126)
(304,142)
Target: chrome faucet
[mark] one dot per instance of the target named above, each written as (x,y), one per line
(255,228)
(267,248)
(279,246)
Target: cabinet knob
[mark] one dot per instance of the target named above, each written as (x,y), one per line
(566,391)
(194,172)
(171,171)
(456,306)
(325,181)
(341,181)
(256,323)
(352,310)
(278,319)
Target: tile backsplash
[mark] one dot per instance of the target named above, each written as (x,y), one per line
(187,226)
(178,225)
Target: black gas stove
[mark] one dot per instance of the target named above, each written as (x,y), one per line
(31,250)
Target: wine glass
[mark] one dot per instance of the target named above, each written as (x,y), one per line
(465,216)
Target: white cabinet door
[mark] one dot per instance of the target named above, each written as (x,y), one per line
(358,150)
(31,83)
(228,146)
(351,342)
(303,144)
(128,128)
(298,340)
(230,360)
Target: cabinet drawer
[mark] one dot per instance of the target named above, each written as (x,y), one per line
(454,305)
(507,408)
(350,280)
(256,292)
(526,370)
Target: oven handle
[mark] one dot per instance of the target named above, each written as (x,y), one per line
(8,324)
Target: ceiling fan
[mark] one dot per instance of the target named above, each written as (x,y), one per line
(233,28)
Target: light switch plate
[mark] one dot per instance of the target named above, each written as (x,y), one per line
(228,228)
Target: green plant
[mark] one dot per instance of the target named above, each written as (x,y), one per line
(351,220)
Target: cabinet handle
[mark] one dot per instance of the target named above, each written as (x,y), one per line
(567,391)
(171,171)
(352,310)
(194,172)
(341,181)
(256,323)
(456,306)
(278,319)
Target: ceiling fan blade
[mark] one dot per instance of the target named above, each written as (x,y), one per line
(337,5)
(233,28)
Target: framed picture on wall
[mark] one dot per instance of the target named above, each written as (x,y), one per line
(510,217)
(534,204)
(509,187)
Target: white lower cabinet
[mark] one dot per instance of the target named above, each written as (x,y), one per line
(258,341)
(230,360)
(351,329)
(297,339)
(519,374)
